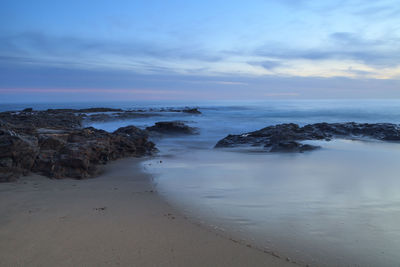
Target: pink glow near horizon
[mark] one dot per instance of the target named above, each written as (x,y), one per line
(112,94)
(83,90)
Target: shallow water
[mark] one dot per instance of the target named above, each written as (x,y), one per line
(336,206)
(332,207)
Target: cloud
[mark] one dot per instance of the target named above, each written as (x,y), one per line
(36,45)
(266,64)
(23,82)
(343,46)
(358,72)
(378,9)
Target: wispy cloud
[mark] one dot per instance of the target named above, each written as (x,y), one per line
(266,64)
(36,46)
(341,45)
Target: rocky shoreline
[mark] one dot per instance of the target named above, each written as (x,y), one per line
(288,137)
(54,142)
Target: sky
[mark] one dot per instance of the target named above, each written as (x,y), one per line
(198,50)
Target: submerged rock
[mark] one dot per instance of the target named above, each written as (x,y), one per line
(286,137)
(172,127)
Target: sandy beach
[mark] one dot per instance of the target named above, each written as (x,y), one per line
(117,219)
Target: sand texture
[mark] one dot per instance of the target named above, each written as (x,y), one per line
(116,219)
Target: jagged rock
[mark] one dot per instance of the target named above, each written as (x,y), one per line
(41,119)
(79,153)
(285,137)
(17,154)
(171,127)
(53,144)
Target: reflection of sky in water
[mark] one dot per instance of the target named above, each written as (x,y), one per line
(340,204)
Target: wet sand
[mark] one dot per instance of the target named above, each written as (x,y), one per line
(116,219)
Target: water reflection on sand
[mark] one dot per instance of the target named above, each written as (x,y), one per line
(336,206)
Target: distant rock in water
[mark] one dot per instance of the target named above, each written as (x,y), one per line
(42,119)
(92,110)
(191,111)
(54,144)
(286,137)
(126,115)
(85,110)
(172,128)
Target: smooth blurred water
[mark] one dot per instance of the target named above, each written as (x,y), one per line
(337,206)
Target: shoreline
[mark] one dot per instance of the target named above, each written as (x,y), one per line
(116,219)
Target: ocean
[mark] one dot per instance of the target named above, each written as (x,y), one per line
(336,206)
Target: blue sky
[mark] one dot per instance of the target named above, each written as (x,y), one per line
(101,50)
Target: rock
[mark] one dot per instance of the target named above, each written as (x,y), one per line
(27,110)
(41,119)
(93,110)
(131,132)
(191,111)
(52,143)
(79,153)
(184,110)
(171,127)
(17,154)
(286,137)
(291,146)
(126,115)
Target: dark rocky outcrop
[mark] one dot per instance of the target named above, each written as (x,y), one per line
(17,154)
(183,110)
(84,110)
(78,153)
(103,114)
(54,144)
(171,128)
(41,119)
(27,110)
(191,111)
(126,115)
(286,137)
(92,110)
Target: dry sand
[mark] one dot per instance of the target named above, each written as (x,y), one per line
(113,220)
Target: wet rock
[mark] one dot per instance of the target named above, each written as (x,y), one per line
(126,115)
(41,119)
(53,144)
(79,153)
(291,146)
(191,111)
(286,137)
(17,154)
(27,110)
(92,110)
(184,110)
(132,132)
(172,128)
